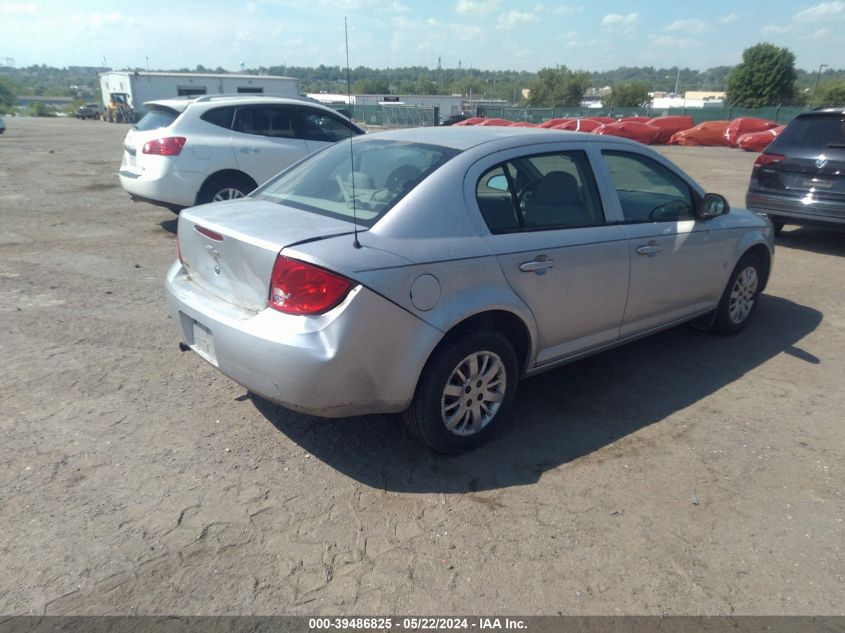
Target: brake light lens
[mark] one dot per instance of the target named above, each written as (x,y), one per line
(302,289)
(768,159)
(168,146)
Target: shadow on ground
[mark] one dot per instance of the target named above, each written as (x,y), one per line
(823,241)
(562,415)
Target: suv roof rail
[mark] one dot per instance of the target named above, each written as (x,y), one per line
(250,95)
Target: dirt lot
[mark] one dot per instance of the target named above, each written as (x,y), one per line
(685,473)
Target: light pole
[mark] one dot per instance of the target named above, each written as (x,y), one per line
(492,83)
(818,76)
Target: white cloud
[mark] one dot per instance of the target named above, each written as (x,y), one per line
(107,19)
(476,7)
(688,26)
(730,18)
(822,33)
(28,9)
(566,9)
(820,12)
(613,20)
(672,42)
(513,19)
(775,29)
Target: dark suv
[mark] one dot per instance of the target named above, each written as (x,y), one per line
(800,177)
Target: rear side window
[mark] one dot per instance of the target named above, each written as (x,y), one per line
(221,117)
(544,191)
(156,119)
(813,132)
(267,120)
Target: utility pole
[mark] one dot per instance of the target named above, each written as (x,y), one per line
(818,76)
(677,80)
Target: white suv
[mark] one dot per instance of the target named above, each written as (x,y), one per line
(192,151)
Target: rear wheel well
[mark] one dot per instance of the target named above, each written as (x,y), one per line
(507,323)
(765,257)
(225,175)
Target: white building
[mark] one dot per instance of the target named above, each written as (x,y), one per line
(141,86)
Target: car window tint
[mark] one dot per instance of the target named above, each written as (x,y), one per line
(322,126)
(270,120)
(156,119)
(648,191)
(545,191)
(221,117)
(816,131)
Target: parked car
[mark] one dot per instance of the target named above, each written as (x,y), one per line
(89,111)
(449,263)
(454,118)
(800,177)
(191,151)
(2,125)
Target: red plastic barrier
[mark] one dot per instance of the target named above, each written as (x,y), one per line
(524,124)
(634,130)
(637,118)
(554,122)
(601,119)
(707,133)
(758,141)
(746,125)
(578,125)
(671,124)
(501,122)
(475,120)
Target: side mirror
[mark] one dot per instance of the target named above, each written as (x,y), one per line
(713,205)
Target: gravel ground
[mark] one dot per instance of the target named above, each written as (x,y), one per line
(683,474)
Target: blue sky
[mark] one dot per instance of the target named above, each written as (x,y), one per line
(487,34)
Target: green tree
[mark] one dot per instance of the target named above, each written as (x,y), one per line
(371,87)
(830,93)
(8,99)
(632,94)
(765,77)
(558,86)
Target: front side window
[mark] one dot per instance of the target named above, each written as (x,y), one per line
(321,126)
(648,191)
(544,191)
(364,182)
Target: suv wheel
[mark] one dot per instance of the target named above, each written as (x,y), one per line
(225,187)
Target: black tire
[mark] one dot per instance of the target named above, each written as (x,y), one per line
(425,417)
(740,297)
(214,189)
(778,226)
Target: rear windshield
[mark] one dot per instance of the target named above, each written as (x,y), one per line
(384,172)
(156,118)
(813,132)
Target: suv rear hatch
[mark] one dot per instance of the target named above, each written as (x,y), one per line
(158,117)
(807,158)
(229,249)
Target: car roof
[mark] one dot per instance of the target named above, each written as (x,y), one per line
(465,137)
(180,104)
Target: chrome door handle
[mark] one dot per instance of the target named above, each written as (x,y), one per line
(649,249)
(538,266)
(247,150)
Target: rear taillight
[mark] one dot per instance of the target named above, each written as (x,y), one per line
(300,288)
(168,146)
(768,159)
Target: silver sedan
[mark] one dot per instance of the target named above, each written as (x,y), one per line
(427,271)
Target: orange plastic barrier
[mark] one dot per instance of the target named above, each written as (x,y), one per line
(670,124)
(758,141)
(746,125)
(554,122)
(601,119)
(634,130)
(578,125)
(638,118)
(707,133)
(503,122)
(475,120)
(524,124)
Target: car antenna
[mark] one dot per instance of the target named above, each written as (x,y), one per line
(355,242)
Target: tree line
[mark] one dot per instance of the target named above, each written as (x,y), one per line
(766,76)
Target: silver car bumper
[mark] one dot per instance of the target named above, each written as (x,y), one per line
(364,356)
(798,210)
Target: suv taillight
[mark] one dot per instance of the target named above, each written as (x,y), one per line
(768,159)
(300,288)
(168,146)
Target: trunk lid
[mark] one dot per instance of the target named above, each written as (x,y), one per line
(229,248)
